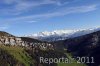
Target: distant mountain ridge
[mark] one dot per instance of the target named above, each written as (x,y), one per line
(62,34)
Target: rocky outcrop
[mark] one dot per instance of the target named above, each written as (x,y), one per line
(10,40)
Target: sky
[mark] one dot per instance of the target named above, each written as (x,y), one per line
(23,17)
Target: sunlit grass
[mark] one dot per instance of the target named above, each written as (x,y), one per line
(19,54)
(74,62)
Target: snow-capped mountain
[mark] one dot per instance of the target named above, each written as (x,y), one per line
(61,34)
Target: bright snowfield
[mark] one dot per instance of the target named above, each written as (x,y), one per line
(61,34)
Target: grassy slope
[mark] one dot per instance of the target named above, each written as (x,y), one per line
(70,64)
(23,57)
(19,54)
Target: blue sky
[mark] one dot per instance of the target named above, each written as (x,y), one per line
(22,17)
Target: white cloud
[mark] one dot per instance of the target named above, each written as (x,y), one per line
(31,21)
(20,6)
(60,12)
(56,13)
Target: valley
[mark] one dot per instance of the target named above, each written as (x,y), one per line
(25,51)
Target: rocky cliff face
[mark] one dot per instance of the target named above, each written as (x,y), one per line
(10,40)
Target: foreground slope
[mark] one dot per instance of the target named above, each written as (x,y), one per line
(19,56)
(14,56)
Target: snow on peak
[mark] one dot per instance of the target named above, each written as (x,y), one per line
(55,32)
(62,34)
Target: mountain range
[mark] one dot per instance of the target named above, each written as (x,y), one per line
(61,34)
(26,51)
